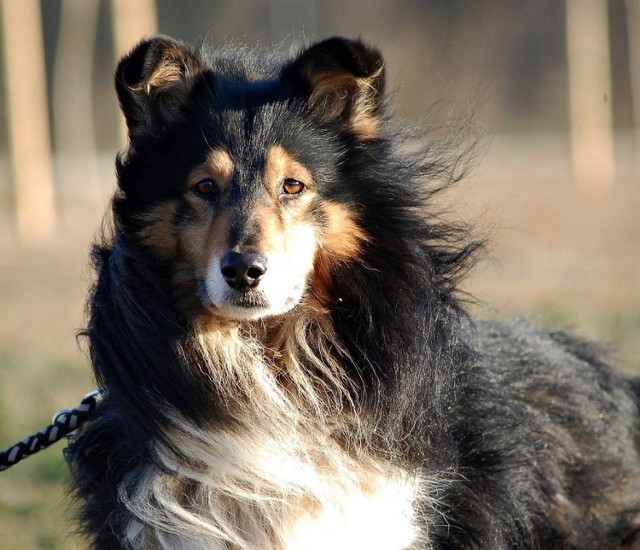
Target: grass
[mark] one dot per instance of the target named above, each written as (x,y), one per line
(34,511)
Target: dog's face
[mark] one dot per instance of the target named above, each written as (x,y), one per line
(233,174)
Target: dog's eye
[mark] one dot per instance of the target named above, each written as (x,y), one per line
(292,187)
(205,186)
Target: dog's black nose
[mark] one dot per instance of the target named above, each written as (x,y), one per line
(243,270)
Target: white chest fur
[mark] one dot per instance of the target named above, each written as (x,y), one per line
(378,517)
(285,472)
(263,501)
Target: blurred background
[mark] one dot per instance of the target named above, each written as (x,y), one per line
(554,85)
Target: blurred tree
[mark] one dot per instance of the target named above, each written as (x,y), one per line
(73,114)
(28,122)
(590,94)
(633,24)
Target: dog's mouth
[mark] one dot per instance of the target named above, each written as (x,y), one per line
(249,300)
(244,305)
(250,304)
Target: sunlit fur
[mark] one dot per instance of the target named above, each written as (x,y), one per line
(276,476)
(343,399)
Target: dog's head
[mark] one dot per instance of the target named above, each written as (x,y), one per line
(233,172)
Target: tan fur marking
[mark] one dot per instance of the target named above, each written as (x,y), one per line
(279,166)
(342,241)
(200,240)
(353,98)
(174,74)
(205,236)
(343,237)
(272,229)
(159,231)
(219,166)
(220,163)
(197,241)
(321,281)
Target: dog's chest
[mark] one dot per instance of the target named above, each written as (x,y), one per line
(380,516)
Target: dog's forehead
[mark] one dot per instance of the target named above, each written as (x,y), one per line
(245,95)
(250,113)
(246,118)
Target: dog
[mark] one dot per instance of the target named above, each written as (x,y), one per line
(287,360)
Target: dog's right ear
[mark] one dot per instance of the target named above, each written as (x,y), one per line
(153,81)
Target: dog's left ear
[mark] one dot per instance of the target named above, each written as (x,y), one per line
(342,80)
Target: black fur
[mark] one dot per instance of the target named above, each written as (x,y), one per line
(533,437)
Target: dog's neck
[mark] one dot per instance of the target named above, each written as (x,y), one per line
(287,468)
